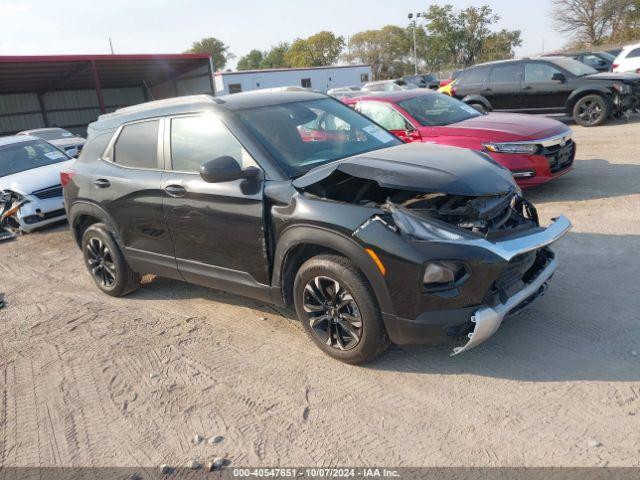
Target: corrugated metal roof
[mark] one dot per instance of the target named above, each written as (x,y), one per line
(19,74)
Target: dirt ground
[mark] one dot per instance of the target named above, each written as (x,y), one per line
(88,380)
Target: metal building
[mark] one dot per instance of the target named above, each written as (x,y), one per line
(70,91)
(313,78)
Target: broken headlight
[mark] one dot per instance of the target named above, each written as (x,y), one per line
(524,148)
(622,88)
(419,228)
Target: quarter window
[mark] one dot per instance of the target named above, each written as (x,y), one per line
(137,145)
(384,115)
(539,72)
(198,139)
(474,76)
(504,74)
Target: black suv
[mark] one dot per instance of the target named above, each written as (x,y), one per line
(371,240)
(549,85)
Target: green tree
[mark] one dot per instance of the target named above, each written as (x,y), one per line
(219,52)
(275,57)
(322,49)
(387,50)
(251,61)
(465,37)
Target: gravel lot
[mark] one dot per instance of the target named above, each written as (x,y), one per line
(88,380)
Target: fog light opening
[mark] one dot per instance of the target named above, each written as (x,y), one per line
(443,274)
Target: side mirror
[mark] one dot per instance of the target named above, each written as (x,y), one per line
(226,169)
(559,77)
(72,152)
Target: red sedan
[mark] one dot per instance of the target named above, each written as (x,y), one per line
(535,149)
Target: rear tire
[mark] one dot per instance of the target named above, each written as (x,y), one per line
(338,310)
(106,264)
(479,107)
(591,110)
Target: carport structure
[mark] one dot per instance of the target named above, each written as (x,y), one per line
(70,91)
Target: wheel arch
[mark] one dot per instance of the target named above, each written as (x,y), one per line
(469,99)
(299,243)
(83,214)
(583,92)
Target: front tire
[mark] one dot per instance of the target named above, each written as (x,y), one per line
(591,110)
(106,264)
(338,310)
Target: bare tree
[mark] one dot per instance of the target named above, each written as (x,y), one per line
(589,21)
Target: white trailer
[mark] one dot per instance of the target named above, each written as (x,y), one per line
(314,78)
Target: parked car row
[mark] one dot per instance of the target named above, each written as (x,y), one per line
(548,85)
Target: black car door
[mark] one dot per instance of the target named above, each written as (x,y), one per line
(127,185)
(217,228)
(504,86)
(545,87)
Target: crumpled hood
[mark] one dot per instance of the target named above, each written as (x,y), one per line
(629,77)
(505,127)
(423,168)
(29,181)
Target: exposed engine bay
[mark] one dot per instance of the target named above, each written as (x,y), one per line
(484,215)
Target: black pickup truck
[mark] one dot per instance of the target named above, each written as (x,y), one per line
(549,85)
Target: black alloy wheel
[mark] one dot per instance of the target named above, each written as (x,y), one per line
(591,111)
(332,313)
(105,262)
(100,262)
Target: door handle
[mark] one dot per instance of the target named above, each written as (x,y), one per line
(527,87)
(175,190)
(102,183)
(486,89)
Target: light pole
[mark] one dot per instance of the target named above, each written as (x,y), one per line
(415,41)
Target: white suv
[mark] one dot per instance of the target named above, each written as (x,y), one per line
(628,60)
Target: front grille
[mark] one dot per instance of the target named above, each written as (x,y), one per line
(520,270)
(49,192)
(560,156)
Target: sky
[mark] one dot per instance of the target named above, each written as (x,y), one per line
(47,27)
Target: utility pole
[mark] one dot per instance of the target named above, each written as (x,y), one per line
(111,45)
(415,41)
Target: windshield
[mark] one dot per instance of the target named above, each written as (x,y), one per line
(575,67)
(304,135)
(52,134)
(19,157)
(435,109)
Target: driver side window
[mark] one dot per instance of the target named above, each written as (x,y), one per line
(384,115)
(198,139)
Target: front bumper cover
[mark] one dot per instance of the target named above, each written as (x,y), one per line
(487,320)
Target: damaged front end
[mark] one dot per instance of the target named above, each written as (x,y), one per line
(10,204)
(458,257)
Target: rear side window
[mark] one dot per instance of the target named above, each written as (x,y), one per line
(474,76)
(198,139)
(634,53)
(137,145)
(504,74)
